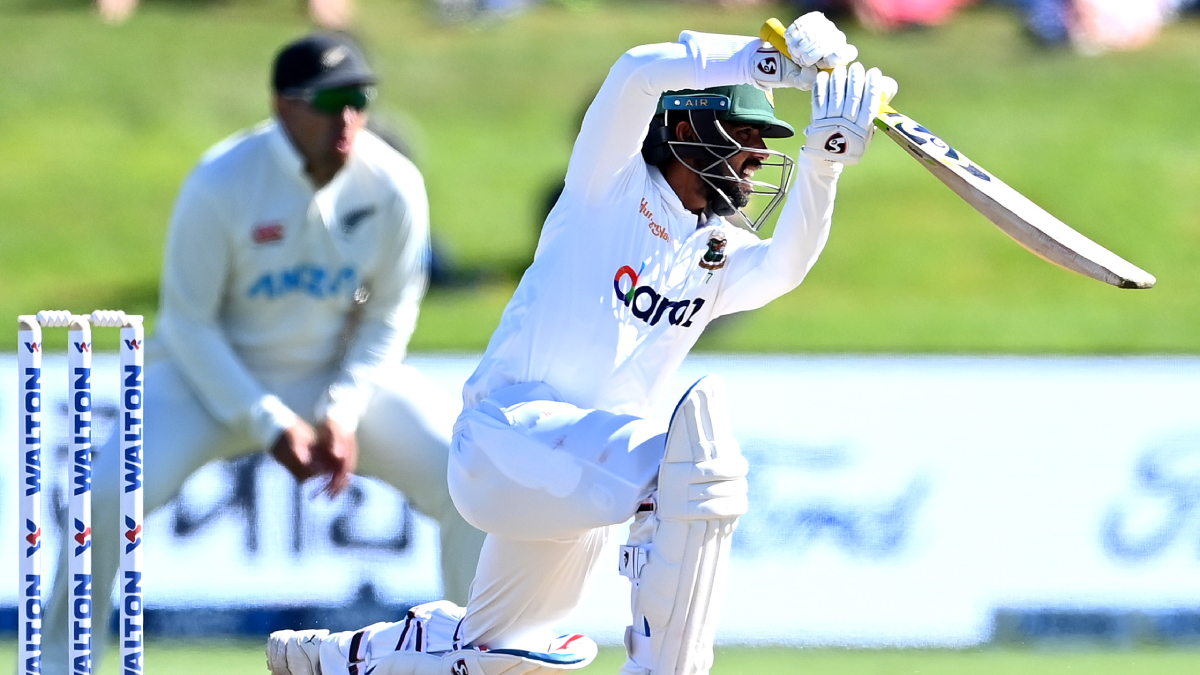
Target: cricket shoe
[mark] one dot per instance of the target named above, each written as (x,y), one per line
(295,652)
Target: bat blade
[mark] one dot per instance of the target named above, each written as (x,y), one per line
(1027,223)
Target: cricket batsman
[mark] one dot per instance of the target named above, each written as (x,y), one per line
(294,267)
(649,242)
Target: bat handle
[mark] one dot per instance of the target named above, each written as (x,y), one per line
(773,31)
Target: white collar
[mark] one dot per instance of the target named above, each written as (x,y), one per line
(706,218)
(285,152)
(292,162)
(669,196)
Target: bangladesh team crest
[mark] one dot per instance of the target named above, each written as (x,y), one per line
(714,257)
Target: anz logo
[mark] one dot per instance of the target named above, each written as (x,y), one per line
(311,280)
(651,306)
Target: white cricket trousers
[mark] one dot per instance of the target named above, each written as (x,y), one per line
(403,440)
(546,480)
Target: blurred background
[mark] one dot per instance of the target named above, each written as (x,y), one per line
(966,460)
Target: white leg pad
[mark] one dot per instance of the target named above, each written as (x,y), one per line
(684,542)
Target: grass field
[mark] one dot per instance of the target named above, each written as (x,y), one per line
(247,659)
(100,124)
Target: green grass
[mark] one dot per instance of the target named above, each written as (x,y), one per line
(246,658)
(100,124)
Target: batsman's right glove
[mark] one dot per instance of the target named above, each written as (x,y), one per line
(845,103)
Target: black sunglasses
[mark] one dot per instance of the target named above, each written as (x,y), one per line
(334,101)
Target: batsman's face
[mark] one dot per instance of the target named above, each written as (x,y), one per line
(749,160)
(745,162)
(324,139)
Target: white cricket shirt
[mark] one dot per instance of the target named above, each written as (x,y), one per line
(261,271)
(625,278)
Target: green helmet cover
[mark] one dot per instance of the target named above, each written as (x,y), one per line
(746,104)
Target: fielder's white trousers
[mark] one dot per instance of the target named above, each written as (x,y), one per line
(403,440)
(546,480)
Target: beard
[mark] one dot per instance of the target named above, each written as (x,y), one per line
(729,190)
(722,192)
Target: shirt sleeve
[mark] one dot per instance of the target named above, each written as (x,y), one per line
(616,122)
(387,318)
(196,268)
(767,269)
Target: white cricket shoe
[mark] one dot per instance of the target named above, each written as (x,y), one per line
(295,652)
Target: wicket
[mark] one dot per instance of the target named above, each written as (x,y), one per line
(130,632)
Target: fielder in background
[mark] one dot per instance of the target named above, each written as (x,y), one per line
(295,262)
(639,254)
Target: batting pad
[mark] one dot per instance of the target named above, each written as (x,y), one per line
(678,554)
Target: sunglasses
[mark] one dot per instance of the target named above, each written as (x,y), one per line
(334,101)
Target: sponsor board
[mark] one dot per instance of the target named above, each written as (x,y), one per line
(894,501)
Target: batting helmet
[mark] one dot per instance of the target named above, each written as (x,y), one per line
(710,152)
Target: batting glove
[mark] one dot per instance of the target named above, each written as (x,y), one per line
(845,103)
(814,42)
(770,69)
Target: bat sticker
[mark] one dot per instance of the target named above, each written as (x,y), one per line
(920,135)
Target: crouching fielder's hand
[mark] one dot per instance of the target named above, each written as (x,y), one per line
(334,452)
(845,103)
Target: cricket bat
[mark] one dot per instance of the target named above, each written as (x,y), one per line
(1018,217)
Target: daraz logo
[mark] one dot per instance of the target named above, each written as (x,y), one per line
(651,306)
